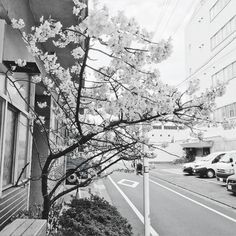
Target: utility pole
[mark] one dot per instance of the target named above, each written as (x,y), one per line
(146,198)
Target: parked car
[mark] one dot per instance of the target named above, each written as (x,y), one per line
(80,173)
(231,184)
(188,167)
(207,166)
(225,166)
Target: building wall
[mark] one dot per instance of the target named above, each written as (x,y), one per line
(211,51)
(40,151)
(15,133)
(168,139)
(12,202)
(13,199)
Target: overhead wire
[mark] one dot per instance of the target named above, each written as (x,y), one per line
(169,18)
(186,16)
(162,16)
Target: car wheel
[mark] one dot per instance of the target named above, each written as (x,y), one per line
(210,173)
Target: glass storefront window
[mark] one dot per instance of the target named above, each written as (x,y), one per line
(9,147)
(22,146)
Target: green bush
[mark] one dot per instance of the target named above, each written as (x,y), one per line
(92,216)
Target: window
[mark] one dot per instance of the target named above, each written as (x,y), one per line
(223,33)
(8,163)
(2,84)
(217,8)
(228,111)
(225,74)
(22,84)
(22,146)
(157,127)
(234,69)
(14,130)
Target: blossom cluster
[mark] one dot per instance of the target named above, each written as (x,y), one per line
(124,91)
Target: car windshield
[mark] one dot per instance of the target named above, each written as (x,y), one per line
(227,156)
(208,157)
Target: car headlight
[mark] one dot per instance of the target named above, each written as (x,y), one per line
(231,171)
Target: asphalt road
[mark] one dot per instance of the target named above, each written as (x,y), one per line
(175,211)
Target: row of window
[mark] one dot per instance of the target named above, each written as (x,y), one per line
(14,130)
(217,8)
(228,111)
(225,74)
(223,33)
(169,127)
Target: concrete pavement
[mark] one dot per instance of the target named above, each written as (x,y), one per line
(205,187)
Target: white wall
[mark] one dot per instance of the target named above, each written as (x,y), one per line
(204,61)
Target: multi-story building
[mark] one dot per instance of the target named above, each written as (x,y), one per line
(20,142)
(211,58)
(167,139)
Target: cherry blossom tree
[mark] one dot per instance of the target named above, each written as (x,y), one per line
(103,105)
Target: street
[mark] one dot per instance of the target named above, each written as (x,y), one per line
(174,210)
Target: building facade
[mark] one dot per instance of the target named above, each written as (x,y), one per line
(211,57)
(167,138)
(22,146)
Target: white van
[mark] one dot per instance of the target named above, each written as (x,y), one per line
(225,166)
(207,166)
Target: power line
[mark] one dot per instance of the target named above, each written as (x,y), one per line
(186,16)
(170,17)
(162,15)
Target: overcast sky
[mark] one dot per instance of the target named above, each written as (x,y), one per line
(166,18)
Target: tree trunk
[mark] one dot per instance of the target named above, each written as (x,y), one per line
(44,188)
(46,208)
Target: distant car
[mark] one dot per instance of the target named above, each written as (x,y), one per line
(79,173)
(225,167)
(188,167)
(207,166)
(231,184)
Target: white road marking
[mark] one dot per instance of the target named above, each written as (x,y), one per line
(173,171)
(99,186)
(129,183)
(136,211)
(196,202)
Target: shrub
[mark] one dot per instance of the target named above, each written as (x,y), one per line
(92,216)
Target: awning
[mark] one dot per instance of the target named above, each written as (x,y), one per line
(201,144)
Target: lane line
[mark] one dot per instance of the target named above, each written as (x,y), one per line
(196,202)
(136,211)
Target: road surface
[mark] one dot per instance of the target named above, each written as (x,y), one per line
(174,211)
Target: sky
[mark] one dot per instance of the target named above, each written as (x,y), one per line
(167,18)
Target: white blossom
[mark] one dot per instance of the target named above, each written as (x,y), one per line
(77,53)
(20,62)
(36,79)
(42,104)
(18,24)
(40,120)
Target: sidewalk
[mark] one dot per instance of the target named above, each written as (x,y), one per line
(96,188)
